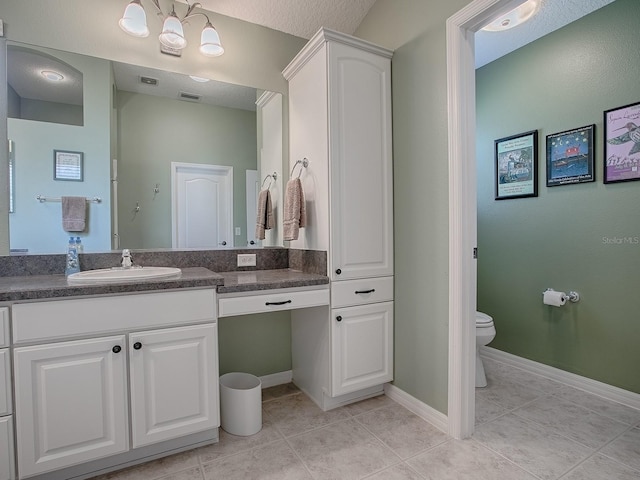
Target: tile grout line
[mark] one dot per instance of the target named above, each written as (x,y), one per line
(507,459)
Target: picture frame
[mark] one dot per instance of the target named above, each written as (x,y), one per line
(68,166)
(516,166)
(570,156)
(622,144)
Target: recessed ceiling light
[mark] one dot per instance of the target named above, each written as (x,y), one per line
(52,76)
(514,18)
(198,79)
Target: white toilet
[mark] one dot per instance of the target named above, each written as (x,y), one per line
(485,332)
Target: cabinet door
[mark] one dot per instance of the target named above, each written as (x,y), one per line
(360,163)
(174,383)
(5,382)
(71,403)
(7,469)
(361,347)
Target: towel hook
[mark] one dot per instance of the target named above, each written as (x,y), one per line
(272,178)
(305,164)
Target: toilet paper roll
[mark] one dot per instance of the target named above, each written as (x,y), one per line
(553,298)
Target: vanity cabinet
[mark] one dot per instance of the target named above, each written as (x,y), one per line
(7,467)
(152,380)
(71,401)
(340,120)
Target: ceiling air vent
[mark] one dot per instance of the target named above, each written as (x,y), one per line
(149,81)
(189,97)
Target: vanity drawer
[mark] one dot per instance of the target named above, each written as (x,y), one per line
(63,319)
(5,382)
(347,293)
(271,301)
(4,327)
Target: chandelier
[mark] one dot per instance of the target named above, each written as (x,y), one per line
(172,41)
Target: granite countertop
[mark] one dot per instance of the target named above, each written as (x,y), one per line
(268,280)
(37,287)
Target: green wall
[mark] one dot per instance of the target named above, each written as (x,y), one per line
(155,131)
(420,170)
(559,239)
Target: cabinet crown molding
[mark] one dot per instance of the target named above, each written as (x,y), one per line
(323,36)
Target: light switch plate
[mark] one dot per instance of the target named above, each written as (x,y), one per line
(247,260)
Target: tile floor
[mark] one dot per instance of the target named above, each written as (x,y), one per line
(528,427)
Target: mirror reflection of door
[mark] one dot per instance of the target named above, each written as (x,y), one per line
(252,208)
(201,205)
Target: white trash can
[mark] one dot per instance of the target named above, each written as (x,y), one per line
(240,403)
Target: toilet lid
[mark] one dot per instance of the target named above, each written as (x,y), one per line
(483,319)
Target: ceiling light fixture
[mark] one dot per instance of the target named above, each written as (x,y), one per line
(172,40)
(198,79)
(52,76)
(514,18)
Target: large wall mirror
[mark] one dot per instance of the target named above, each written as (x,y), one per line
(144,136)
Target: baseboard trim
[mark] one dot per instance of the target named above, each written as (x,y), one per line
(421,409)
(274,379)
(608,392)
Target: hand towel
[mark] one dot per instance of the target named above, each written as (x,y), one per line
(295,213)
(264,220)
(74,213)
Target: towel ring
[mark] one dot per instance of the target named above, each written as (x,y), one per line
(305,164)
(272,178)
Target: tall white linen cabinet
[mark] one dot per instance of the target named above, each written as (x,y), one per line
(340,121)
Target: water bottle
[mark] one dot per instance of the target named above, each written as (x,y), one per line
(72,265)
(79,246)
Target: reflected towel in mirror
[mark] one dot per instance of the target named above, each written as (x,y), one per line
(74,213)
(264,220)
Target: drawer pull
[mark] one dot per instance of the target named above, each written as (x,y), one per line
(278,303)
(358,292)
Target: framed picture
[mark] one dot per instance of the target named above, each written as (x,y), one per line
(516,159)
(68,166)
(622,144)
(570,157)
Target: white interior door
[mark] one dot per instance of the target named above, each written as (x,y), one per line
(201,205)
(252,207)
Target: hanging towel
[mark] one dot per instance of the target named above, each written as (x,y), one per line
(295,214)
(264,220)
(74,213)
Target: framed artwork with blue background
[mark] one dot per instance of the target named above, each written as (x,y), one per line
(570,156)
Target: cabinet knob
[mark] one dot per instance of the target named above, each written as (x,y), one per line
(338,271)
(137,346)
(339,318)
(116,349)
(223,243)
(252,242)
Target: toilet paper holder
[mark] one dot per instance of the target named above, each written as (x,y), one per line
(572,296)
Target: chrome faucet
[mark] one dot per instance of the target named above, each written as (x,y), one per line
(127,262)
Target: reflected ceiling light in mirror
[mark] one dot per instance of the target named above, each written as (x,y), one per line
(52,76)
(134,22)
(514,18)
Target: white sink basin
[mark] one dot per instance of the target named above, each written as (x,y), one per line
(119,274)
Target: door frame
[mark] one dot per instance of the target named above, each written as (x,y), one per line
(461,105)
(215,169)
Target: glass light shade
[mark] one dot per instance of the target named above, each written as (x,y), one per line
(52,76)
(172,34)
(210,42)
(514,18)
(134,20)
